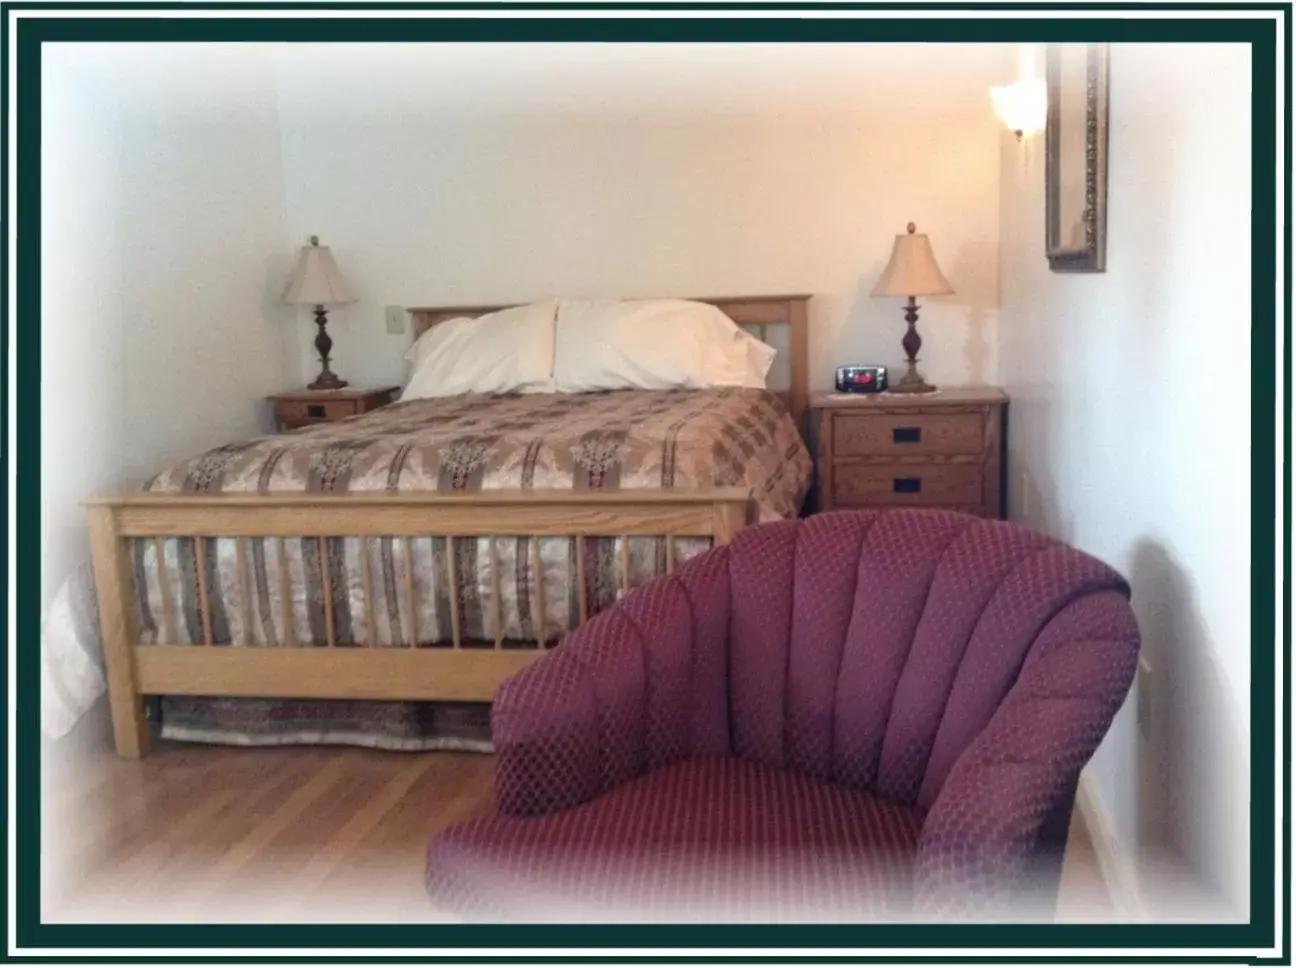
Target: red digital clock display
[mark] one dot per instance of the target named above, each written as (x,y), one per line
(861,379)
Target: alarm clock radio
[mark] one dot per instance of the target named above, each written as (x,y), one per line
(861,379)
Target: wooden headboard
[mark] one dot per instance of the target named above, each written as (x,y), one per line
(753,313)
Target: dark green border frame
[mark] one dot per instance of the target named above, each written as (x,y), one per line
(1264,37)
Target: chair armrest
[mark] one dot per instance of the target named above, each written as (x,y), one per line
(639,685)
(986,845)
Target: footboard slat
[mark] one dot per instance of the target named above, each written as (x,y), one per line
(366,579)
(422,666)
(330,637)
(285,594)
(410,605)
(164,584)
(204,606)
(582,589)
(624,585)
(537,577)
(453,576)
(496,593)
(245,588)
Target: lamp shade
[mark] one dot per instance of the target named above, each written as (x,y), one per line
(912,270)
(316,279)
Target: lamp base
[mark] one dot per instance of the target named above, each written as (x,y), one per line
(327,381)
(912,383)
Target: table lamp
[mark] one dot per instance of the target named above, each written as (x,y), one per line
(912,272)
(316,281)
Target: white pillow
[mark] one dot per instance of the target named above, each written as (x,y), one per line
(510,351)
(432,340)
(652,344)
(760,357)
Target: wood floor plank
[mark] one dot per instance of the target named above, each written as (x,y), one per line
(190,868)
(131,807)
(456,786)
(295,807)
(296,833)
(362,823)
(134,868)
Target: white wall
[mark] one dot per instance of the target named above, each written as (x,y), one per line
(164,250)
(1116,448)
(426,205)
(82,377)
(205,254)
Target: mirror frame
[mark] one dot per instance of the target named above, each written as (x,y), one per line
(1092,256)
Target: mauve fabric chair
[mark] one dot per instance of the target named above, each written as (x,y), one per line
(860,715)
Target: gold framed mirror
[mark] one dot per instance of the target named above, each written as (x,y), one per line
(1075,152)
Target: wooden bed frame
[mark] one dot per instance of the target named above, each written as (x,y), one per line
(136,670)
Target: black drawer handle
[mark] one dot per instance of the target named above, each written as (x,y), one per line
(906,485)
(315,410)
(906,435)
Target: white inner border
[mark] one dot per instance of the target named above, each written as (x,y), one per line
(1279,20)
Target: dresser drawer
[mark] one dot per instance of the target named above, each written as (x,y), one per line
(901,434)
(945,485)
(299,414)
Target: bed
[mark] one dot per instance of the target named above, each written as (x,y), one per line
(373,580)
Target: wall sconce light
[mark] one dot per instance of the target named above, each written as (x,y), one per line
(1022,106)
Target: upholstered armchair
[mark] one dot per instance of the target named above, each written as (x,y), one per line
(857,715)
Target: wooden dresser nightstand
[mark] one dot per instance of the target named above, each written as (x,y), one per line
(301,408)
(943,449)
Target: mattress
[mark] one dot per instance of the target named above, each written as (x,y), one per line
(624,439)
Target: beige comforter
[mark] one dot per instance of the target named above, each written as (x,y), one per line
(629,439)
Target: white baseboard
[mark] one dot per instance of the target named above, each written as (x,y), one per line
(1115,863)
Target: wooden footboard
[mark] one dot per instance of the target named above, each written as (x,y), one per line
(136,669)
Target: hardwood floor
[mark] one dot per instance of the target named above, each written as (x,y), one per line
(282,834)
(295,833)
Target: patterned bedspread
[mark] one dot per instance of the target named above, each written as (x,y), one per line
(626,439)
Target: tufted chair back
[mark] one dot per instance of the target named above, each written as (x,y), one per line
(963,671)
(871,648)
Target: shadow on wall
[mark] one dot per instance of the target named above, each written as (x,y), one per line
(1185,824)
(1033,490)
(974,274)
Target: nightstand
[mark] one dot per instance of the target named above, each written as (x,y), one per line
(301,408)
(943,449)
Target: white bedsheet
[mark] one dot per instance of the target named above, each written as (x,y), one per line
(72,676)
